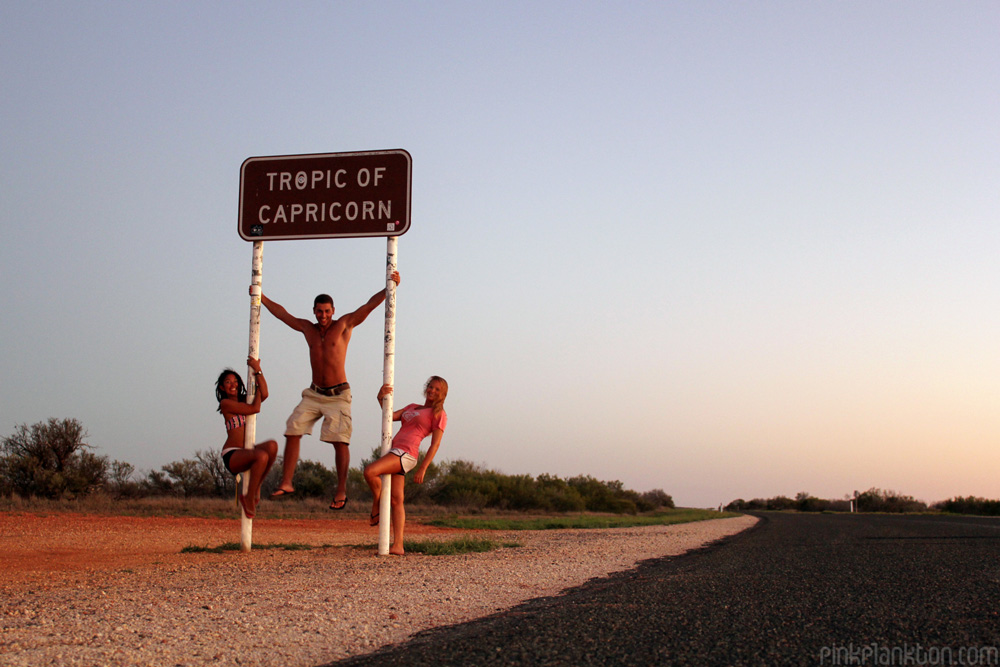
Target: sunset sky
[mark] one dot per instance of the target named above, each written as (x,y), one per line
(723,249)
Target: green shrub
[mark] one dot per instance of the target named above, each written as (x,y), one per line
(314,480)
(189,478)
(50,459)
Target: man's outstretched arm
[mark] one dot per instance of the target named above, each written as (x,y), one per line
(362,313)
(278,311)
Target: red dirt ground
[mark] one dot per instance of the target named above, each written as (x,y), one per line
(32,545)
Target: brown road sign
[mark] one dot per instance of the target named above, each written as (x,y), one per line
(327,195)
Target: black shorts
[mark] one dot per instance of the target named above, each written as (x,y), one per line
(225,460)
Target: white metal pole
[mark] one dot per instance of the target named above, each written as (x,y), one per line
(388,374)
(250,431)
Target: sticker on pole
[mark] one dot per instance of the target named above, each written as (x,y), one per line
(327,195)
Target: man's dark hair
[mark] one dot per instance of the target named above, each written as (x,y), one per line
(322,298)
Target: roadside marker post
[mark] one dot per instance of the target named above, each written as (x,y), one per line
(325,195)
(388,377)
(250,429)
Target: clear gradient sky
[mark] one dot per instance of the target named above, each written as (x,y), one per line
(723,249)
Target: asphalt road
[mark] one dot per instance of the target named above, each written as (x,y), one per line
(797,589)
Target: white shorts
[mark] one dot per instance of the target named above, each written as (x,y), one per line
(406,460)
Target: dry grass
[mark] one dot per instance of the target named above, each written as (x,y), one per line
(299,508)
(219,508)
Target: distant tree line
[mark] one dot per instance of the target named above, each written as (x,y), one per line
(970,505)
(51,460)
(872,500)
(803,502)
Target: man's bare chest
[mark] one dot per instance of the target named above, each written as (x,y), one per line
(329,340)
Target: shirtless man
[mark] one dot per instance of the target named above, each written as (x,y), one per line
(329,395)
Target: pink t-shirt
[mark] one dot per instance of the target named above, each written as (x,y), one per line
(418,422)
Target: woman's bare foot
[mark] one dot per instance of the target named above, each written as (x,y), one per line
(393,552)
(248,507)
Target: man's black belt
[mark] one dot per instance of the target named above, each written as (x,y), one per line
(335,390)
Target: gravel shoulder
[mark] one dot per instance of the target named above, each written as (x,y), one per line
(83,590)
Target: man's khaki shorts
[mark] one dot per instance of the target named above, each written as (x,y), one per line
(335,411)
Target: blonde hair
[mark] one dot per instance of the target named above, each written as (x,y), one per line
(438,406)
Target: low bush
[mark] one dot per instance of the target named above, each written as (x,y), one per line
(877,500)
(970,505)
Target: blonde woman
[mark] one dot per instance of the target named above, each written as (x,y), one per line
(418,421)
